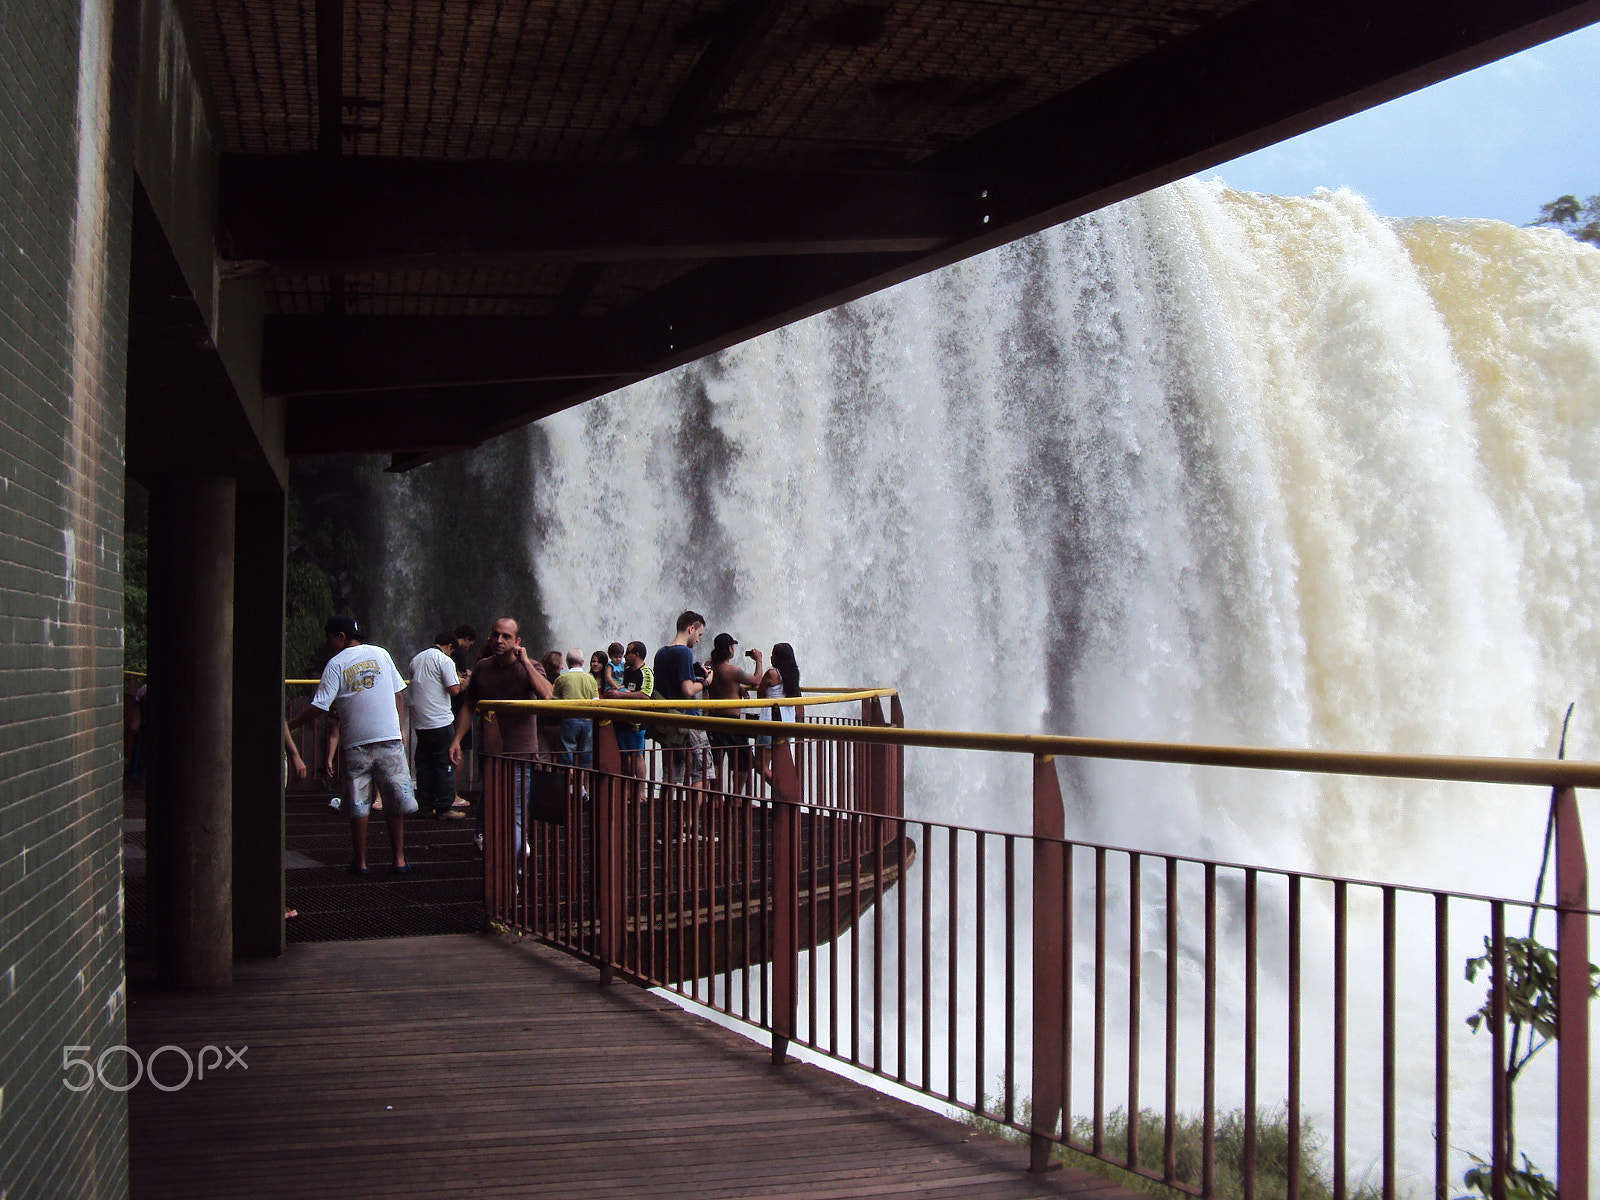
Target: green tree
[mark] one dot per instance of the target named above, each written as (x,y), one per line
(1579,220)
(325,575)
(135,601)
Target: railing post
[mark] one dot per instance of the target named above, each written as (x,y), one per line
(1049,931)
(878,800)
(493,838)
(897,760)
(1572,1028)
(785,900)
(608,848)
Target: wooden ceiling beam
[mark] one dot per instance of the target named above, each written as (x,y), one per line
(329,354)
(1269,71)
(304,215)
(418,426)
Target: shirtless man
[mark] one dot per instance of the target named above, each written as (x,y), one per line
(728,682)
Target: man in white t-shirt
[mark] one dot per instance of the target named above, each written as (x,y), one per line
(361,681)
(433,682)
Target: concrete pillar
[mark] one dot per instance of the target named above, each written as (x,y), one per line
(190,791)
(258,837)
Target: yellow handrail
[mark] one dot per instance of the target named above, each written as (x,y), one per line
(834,696)
(850,697)
(1451,768)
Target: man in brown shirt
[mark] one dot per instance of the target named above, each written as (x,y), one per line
(506,674)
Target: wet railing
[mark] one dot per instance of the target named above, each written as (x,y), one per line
(1222,1029)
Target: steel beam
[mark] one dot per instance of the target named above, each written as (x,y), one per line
(297,215)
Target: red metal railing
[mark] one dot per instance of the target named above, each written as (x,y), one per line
(1167,1014)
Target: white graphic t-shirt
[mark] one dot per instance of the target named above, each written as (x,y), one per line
(432,672)
(362,681)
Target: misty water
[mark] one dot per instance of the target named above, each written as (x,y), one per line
(1203,466)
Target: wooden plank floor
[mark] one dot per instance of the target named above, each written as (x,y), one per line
(484,1066)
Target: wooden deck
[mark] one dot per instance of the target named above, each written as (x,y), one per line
(483,1066)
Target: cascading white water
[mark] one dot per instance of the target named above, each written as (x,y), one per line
(1203,466)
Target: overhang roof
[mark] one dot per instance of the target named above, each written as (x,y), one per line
(497,210)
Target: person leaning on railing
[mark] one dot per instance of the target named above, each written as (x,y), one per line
(782,678)
(507,673)
(638,680)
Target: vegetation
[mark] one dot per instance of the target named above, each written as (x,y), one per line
(136,601)
(1272,1153)
(135,578)
(1572,217)
(1531,1009)
(325,576)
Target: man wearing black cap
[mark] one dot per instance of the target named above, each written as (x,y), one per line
(362,682)
(728,682)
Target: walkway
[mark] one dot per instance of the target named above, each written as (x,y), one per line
(442,894)
(483,1066)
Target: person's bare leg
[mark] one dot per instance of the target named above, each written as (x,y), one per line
(397,833)
(358,839)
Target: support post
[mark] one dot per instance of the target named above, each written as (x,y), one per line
(190,796)
(1049,930)
(258,836)
(879,800)
(608,849)
(897,760)
(1572,1028)
(785,901)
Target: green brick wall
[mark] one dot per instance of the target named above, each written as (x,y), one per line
(65,195)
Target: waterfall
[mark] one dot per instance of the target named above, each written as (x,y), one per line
(1202,466)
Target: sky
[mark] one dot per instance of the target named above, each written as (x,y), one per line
(1495,142)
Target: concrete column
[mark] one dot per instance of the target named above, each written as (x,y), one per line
(258,838)
(190,792)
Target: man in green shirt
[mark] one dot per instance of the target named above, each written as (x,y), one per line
(577,733)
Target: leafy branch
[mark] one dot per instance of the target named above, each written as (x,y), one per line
(1530,987)
(1579,219)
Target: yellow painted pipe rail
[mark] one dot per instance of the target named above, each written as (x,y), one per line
(656,705)
(824,696)
(1532,771)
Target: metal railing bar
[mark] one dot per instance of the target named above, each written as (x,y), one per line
(1099,1142)
(1441,1047)
(980,951)
(926,975)
(1500,1098)
(1135,867)
(1169,1144)
(1251,916)
(1208,1103)
(1009,1073)
(1341,1014)
(1441,767)
(1390,985)
(1292,999)
(953,1024)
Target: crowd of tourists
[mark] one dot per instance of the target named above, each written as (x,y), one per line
(363,693)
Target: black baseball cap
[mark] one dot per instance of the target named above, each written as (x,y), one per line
(726,639)
(342,623)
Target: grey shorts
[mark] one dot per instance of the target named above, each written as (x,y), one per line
(381,766)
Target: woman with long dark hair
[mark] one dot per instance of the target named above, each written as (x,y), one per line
(781,678)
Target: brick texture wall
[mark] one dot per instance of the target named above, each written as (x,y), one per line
(65,195)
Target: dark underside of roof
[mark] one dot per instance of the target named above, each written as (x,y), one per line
(468,214)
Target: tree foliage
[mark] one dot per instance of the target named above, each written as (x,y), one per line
(325,575)
(1572,217)
(1531,983)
